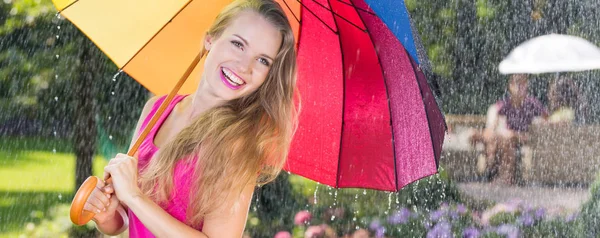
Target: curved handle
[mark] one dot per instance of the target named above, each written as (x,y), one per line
(78,215)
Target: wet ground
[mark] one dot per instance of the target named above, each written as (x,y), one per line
(556,200)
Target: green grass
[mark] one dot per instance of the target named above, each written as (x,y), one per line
(35,175)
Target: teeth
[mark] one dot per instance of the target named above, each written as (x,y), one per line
(232,77)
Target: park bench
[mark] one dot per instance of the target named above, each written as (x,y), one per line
(556,153)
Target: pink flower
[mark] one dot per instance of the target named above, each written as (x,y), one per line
(283,234)
(362,233)
(302,217)
(314,232)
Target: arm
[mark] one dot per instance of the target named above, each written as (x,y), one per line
(116,222)
(492,121)
(227,220)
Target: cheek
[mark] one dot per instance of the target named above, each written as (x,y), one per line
(261,76)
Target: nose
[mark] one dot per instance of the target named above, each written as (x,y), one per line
(245,65)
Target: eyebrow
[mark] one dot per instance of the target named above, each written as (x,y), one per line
(246,42)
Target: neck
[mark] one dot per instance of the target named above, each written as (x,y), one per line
(517,101)
(202,101)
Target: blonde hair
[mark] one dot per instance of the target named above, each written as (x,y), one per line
(244,141)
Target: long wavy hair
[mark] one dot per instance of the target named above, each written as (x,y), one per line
(243,141)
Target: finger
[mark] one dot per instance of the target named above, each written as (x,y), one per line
(101,196)
(125,157)
(122,156)
(94,205)
(107,171)
(114,203)
(108,189)
(100,183)
(91,208)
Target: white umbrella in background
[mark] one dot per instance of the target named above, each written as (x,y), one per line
(550,54)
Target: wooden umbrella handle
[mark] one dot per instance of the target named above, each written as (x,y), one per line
(78,215)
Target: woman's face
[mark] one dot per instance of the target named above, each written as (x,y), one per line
(240,58)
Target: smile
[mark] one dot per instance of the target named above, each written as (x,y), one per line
(230,79)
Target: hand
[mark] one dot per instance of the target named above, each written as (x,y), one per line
(102,203)
(124,174)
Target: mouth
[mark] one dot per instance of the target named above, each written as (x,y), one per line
(230,79)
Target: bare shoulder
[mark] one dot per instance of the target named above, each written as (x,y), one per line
(148,107)
(143,115)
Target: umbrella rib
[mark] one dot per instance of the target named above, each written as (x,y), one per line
(343,18)
(157,32)
(311,12)
(64,8)
(337,175)
(388,101)
(289,8)
(357,8)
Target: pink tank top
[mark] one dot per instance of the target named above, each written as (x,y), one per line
(177,205)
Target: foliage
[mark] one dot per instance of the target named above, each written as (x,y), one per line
(449,220)
(590,211)
(36,175)
(344,209)
(54,223)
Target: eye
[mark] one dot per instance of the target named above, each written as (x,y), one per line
(264,61)
(237,44)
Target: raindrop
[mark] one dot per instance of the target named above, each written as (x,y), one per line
(54,151)
(315,196)
(57,36)
(389,201)
(357,227)
(109,117)
(57,56)
(56,99)
(335,197)
(114,78)
(58,27)
(110,137)
(332,217)
(56,76)
(365,192)
(59,196)
(113,93)
(354,219)
(58,16)
(288,172)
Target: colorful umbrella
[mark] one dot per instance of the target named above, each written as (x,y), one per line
(369,118)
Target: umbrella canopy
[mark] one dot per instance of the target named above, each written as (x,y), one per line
(551,54)
(369,118)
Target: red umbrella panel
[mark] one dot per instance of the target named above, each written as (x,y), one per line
(369,118)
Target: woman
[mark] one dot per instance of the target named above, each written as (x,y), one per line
(563,95)
(216,144)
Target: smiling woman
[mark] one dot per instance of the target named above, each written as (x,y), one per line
(246,51)
(199,165)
